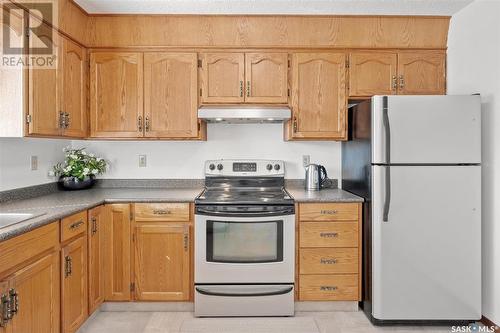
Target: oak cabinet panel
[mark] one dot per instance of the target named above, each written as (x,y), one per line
(162,275)
(319,101)
(334,287)
(74,284)
(171,95)
(117,253)
(373,73)
(116,94)
(422,73)
(223,77)
(38,292)
(74,89)
(266,77)
(95,233)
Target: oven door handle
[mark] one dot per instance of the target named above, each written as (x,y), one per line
(274,292)
(279,212)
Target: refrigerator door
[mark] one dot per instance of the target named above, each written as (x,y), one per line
(427,256)
(426,129)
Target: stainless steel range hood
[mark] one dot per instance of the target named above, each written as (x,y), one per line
(236,114)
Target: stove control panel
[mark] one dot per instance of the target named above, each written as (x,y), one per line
(244,168)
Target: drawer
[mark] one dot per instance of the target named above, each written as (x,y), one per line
(329,261)
(328,212)
(161,212)
(73,225)
(25,247)
(343,287)
(325,234)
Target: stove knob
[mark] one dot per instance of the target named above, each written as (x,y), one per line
(277,167)
(269,167)
(220,167)
(211,166)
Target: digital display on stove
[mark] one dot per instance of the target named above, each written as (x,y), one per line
(244,167)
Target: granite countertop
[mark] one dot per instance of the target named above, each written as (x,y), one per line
(61,204)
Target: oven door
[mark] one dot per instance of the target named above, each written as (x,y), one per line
(257,249)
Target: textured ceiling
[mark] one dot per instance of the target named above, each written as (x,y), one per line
(305,7)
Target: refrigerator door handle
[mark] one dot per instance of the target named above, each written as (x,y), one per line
(387,126)
(387,201)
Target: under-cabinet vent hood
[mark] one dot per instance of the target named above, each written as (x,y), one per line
(236,114)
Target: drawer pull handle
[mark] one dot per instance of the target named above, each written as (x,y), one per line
(76,225)
(161,212)
(328,234)
(328,288)
(328,261)
(329,211)
(68,269)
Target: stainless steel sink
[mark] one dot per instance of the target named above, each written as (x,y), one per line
(8,219)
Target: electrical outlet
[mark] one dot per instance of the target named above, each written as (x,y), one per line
(51,173)
(306,160)
(34,162)
(142,161)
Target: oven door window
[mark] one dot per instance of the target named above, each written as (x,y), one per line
(244,242)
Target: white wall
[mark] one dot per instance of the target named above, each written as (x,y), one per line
(15,168)
(474,66)
(185,159)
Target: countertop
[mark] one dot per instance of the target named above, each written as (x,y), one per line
(61,204)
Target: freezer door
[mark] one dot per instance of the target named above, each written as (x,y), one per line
(426,258)
(426,129)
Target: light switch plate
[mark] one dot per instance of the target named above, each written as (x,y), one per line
(34,162)
(142,161)
(306,160)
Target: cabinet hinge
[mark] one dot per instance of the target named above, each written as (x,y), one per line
(289,64)
(132,286)
(131,216)
(200,63)
(200,93)
(199,127)
(288,92)
(347,63)
(27,32)
(29,118)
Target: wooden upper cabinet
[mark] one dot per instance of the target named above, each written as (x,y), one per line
(74,284)
(422,73)
(96,222)
(43,88)
(319,102)
(171,95)
(117,253)
(266,77)
(74,88)
(116,94)
(372,73)
(38,289)
(162,275)
(223,76)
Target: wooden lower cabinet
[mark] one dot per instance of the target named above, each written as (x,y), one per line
(74,284)
(162,261)
(96,222)
(339,287)
(117,253)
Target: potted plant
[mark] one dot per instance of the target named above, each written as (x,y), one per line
(79,169)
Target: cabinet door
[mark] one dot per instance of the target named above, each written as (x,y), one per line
(74,285)
(422,73)
(170,95)
(162,275)
(223,77)
(266,77)
(319,102)
(38,289)
(116,91)
(373,73)
(117,268)
(43,84)
(74,88)
(96,257)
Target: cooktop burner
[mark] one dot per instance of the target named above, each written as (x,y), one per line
(244,196)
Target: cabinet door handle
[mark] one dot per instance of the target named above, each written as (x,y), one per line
(68,269)
(241,88)
(94,225)
(248,88)
(394,82)
(147,124)
(401,82)
(186,238)
(14,302)
(139,123)
(76,225)
(5,310)
(295,125)
(62,120)
(67,120)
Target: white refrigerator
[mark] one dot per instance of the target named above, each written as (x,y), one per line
(416,161)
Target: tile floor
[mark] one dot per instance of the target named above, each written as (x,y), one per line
(184,322)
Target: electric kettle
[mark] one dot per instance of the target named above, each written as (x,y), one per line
(315,177)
